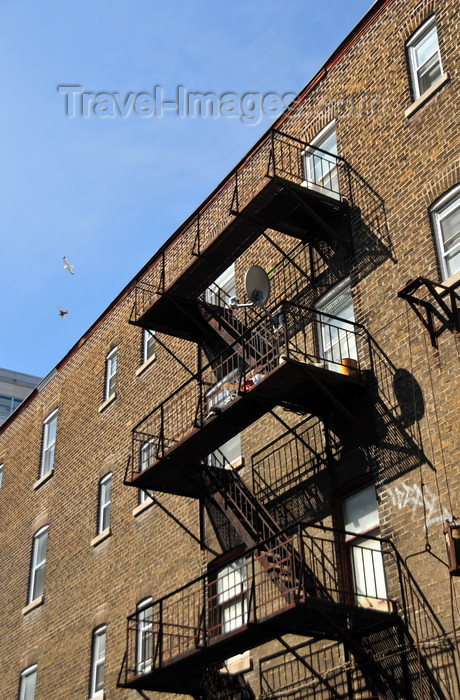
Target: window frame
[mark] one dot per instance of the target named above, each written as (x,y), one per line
(1,476)
(24,675)
(328,182)
(148,446)
(224,284)
(97,660)
(148,345)
(361,550)
(111,363)
(445,205)
(48,446)
(104,503)
(231,598)
(144,635)
(327,349)
(37,565)
(413,43)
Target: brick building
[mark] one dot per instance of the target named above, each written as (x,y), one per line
(242,481)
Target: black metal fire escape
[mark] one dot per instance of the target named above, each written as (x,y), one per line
(294,576)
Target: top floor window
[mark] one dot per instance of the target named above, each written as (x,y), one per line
(424,57)
(223,288)
(110,373)
(48,444)
(446,222)
(8,404)
(320,165)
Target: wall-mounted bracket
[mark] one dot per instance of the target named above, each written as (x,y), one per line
(436,305)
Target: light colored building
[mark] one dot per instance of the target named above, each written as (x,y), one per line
(14,387)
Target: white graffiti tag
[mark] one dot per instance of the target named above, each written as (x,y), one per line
(405,496)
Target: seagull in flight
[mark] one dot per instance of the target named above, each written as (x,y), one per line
(68,266)
(63,313)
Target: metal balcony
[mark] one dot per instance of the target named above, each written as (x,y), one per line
(318,587)
(302,364)
(286,185)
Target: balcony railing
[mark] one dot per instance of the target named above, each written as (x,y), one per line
(280,156)
(297,333)
(206,611)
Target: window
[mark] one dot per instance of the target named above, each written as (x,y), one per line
(231,596)
(8,404)
(27,682)
(223,288)
(360,516)
(110,373)
(446,222)
(229,453)
(320,166)
(144,639)
(97,660)
(424,57)
(336,337)
(1,475)
(38,563)
(148,345)
(105,493)
(147,458)
(48,444)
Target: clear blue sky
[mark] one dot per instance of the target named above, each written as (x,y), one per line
(107,191)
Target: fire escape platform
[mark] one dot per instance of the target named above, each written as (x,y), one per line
(312,617)
(279,204)
(298,386)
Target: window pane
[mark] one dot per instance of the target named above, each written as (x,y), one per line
(360,511)
(27,686)
(337,338)
(426,47)
(39,582)
(428,73)
(98,661)
(450,229)
(368,573)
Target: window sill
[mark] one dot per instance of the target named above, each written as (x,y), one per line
(240,663)
(101,537)
(107,402)
(43,479)
(142,506)
(34,604)
(420,101)
(140,370)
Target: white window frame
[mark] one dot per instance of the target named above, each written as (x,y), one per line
(148,345)
(98,644)
(144,635)
(104,503)
(111,361)
(426,30)
(328,181)
(1,475)
(444,207)
(38,565)
(27,683)
(146,459)
(48,443)
(365,554)
(336,338)
(225,284)
(220,457)
(231,588)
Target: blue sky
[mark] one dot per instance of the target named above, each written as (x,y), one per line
(107,191)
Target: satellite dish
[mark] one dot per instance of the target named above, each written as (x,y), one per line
(257,285)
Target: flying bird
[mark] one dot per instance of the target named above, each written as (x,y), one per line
(68,266)
(62,313)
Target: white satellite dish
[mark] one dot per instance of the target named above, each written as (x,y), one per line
(257,285)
